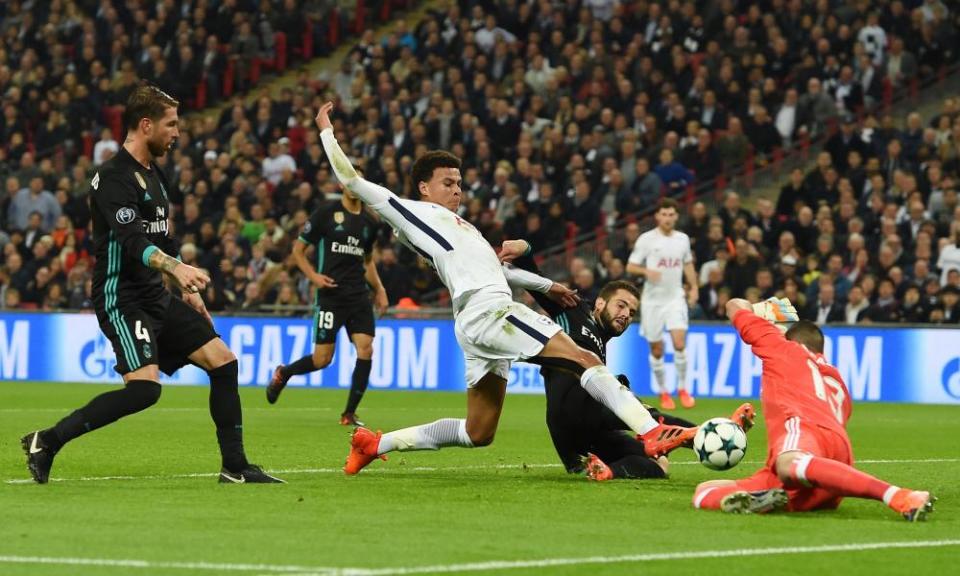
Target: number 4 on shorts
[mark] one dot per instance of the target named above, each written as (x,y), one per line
(141,332)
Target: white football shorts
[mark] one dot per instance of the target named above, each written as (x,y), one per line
(494,331)
(655,316)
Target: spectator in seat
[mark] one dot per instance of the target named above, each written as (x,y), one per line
(885,308)
(846,140)
(675,176)
(856,304)
(947,310)
(703,158)
(105,148)
(733,146)
(912,309)
(583,209)
(732,210)
(630,234)
(709,298)
(899,66)
(763,135)
(741,271)
(244,47)
(816,108)
(825,308)
(645,191)
(11,299)
(949,258)
(585,285)
(786,120)
(30,200)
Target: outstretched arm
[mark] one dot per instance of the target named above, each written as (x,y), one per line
(529,281)
(761,334)
(524,273)
(368,192)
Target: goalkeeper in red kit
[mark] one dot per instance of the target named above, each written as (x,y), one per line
(806,407)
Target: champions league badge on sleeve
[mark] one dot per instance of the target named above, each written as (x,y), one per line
(126,215)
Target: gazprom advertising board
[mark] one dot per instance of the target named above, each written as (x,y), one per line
(878,364)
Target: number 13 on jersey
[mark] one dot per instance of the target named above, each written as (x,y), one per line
(829,390)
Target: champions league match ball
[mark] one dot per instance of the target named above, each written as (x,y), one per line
(720,444)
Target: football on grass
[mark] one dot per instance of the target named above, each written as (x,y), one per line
(720,444)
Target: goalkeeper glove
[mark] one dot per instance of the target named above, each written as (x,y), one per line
(776,310)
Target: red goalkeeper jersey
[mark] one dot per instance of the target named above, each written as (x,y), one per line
(795,381)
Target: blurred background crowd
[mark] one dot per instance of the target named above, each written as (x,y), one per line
(571,116)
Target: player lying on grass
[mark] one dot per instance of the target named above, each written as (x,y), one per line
(806,407)
(585,434)
(491,328)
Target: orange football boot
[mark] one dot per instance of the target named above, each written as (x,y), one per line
(913,505)
(666,402)
(363,450)
(744,416)
(664,439)
(597,469)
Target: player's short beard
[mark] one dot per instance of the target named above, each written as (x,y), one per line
(606,318)
(156,148)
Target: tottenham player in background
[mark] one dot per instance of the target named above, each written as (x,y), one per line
(492,329)
(342,233)
(150,329)
(662,256)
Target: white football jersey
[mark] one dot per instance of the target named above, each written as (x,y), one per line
(666,254)
(464,260)
(462,257)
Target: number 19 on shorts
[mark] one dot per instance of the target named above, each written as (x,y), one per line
(325,320)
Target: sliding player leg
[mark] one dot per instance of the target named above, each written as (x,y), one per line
(603,386)
(615,454)
(812,471)
(821,467)
(484,405)
(492,334)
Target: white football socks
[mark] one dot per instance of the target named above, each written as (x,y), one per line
(433,436)
(680,361)
(659,373)
(606,389)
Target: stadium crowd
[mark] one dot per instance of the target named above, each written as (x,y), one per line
(569,116)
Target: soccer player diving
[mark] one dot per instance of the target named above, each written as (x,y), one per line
(586,435)
(806,407)
(491,328)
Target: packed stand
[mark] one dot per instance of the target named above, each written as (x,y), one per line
(569,117)
(67,65)
(870,234)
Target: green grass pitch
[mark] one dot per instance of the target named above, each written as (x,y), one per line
(506,509)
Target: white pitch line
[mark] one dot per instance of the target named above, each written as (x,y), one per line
(629,558)
(295,471)
(474,566)
(401,468)
(152,565)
